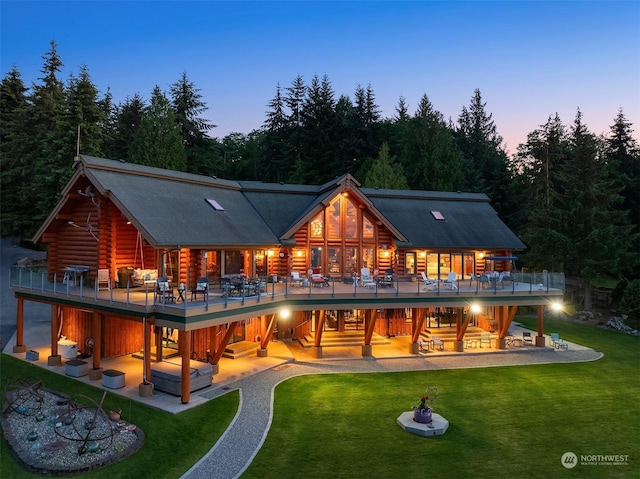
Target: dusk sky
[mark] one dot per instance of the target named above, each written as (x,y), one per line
(529,59)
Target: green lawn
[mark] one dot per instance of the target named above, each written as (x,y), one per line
(505,422)
(172,444)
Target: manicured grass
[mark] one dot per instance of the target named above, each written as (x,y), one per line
(505,422)
(173,442)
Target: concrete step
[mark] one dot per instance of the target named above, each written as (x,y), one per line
(240,349)
(342,339)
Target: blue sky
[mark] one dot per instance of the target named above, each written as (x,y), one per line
(529,59)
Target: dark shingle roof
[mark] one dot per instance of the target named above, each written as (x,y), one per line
(170,209)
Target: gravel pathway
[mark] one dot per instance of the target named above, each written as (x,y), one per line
(237,447)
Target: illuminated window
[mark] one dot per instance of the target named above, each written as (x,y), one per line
(317,226)
(333,219)
(367,228)
(351,221)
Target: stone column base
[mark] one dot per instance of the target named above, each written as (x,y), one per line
(263,352)
(415,348)
(216,368)
(458,346)
(20,349)
(317,352)
(367,350)
(95,374)
(55,360)
(500,343)
(540,341)
(145,390)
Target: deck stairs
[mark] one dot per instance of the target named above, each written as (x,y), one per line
(448,334)
(240,349)
(341,339)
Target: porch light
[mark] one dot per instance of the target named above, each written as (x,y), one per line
(556,306)
(269,253)
(285,313)
(475,308)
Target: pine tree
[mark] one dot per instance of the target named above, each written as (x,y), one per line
(188,105)
(158,141)
(385,173)
(623,160)
(15,173)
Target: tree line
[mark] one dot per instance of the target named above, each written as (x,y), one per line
(570,195)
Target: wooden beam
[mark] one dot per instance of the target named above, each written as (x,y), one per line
(540,320)
(509,319)
(146,344)
(369,325)
(461,326)
(184,344)
(319,323)
(96,331)
(20,323)
(418,318)
(268,331)
(217,355)
(55,325)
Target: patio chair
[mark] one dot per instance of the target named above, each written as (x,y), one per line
(451,281)
(484,280)
(296,279)
(387,279)
(104,282)
(429,285)
(424,345)
(472,278)
(526,337)
(558,343)
(485,338)
(202,287)
(366,279)
(437,342)
(164,290)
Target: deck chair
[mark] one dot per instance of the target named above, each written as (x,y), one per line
(485,338)
(451,281)
(526,337)
(202,287)
(366,279)
(387,279)
(429,285)
(437,342)
(424,345)
(472,278)
(164,290)
(484,280)
(296,279)
(558,343)
(104,282)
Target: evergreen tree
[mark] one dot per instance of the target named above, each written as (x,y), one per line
(158,141)
(539,161)
(384,173)
(623,160)
(15,172)
(595,233)
(128,116)
(275,140)
(484,158)
(50,170)
(187,105)
(432,160)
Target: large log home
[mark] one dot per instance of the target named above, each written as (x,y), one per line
(259,251)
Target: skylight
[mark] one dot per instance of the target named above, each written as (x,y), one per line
(437,215)
(214,204)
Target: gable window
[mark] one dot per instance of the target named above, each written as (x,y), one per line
(351,221)
(317,226)
(334,219)
(367,228)
(214,204)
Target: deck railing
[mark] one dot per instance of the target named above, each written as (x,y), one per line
(37,281)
